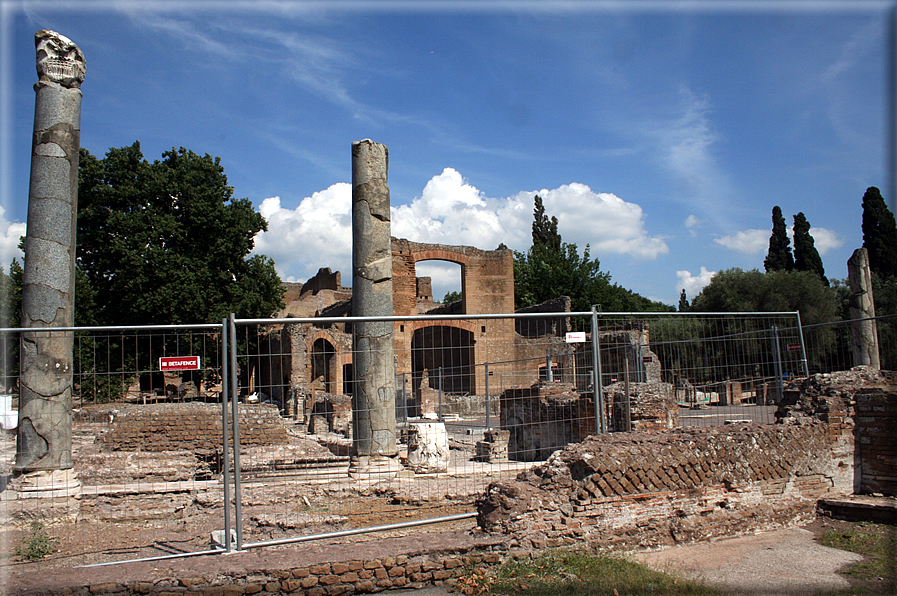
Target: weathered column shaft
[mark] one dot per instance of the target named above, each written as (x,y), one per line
(48,293)
(374,417)
(863,330)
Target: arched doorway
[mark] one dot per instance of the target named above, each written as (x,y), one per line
(445,355)
(446,278)
(323,361)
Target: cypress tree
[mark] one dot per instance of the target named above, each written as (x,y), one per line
(683,301)
(545,229)
(879,234)
(806,257)
(779,257)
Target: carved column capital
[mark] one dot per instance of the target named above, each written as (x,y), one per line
(59,60)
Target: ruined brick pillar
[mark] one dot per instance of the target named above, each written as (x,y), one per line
(373,401)
(863,330)
(48,294)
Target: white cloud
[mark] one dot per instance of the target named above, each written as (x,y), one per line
(450,211)
(10,232)
(749,242)
(685,147)
(754,242)
(318,233)
(693,284)
(603,220)
(692,222)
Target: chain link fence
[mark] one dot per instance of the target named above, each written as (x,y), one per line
(829,345)
(248,428)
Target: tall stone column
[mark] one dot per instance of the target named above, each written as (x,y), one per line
(863,329)
(373,403)
(48,294)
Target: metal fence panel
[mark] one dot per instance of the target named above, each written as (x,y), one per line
(146,437)
(509,390)
(500,392)
(829,345)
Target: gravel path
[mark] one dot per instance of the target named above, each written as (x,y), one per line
(780,562)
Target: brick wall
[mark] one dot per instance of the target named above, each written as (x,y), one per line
(357,576)
(857,406)
(192,427)
(666,487)
(876,419)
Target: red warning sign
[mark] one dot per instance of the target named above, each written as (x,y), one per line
(179,363)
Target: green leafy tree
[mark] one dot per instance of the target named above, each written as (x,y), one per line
(879,234)
(451,297)
(884,293)
(11,295)
(553,268)
(10,316)
(167,243)
(806,257)
(779,257)
(545,229)
(735,290)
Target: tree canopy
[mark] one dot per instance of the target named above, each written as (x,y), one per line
(166,243)
(735,290)
(879,234)
(552,268)
(779,257)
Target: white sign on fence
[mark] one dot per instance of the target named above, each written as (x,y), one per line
(576,337)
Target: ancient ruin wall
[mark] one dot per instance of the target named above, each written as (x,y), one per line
(667,487)
(859,408)
(876,418)
(299,342)
(191,427)
(487,283)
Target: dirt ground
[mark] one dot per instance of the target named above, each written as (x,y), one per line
(129,521)
(782,562)
(121,525)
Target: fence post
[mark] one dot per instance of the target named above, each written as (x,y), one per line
(486,365)
(440,392)
(404,401)
(803,346)
(395,379)
(225,434)
(598,391)
(778,363)
(238,506)
(549,376)
(627,415)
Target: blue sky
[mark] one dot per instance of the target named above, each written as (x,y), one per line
(660,133)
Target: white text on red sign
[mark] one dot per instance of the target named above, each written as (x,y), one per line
(179,363)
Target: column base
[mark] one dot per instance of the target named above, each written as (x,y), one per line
(374,467)
(47,484)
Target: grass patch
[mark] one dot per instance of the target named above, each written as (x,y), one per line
(575,573)
(877,543)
